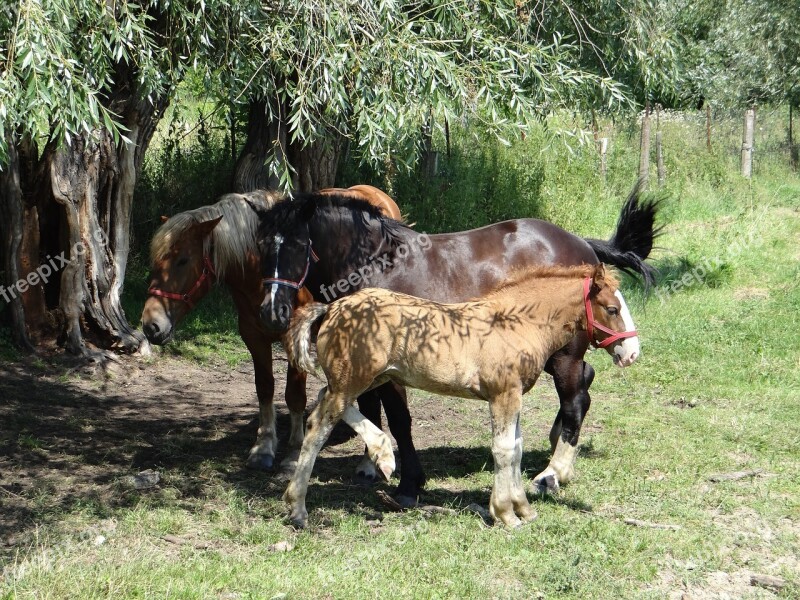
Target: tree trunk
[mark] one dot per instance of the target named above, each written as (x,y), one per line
(67,235)
(313,166)
(264,135)
(16,291)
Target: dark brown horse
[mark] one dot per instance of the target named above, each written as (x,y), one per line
(195,248)
(358,248)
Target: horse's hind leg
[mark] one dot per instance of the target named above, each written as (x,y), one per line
(296,402)
(572,377)
(508,502)
(320,424)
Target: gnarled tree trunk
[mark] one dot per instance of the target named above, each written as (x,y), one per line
(67,233)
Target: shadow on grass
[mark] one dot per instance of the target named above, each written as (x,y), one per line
(65,449)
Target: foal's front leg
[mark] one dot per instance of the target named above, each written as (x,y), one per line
(508,502)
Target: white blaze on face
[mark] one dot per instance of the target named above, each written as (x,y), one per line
(627,349)
(274,288)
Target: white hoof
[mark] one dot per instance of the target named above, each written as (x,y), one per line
(366,469)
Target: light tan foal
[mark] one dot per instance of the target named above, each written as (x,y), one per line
(493,349)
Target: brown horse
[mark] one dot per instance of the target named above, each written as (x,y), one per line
(492,349)
(195,248)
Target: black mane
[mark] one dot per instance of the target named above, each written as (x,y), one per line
(335,206)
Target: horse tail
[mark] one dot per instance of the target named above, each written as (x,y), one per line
(298,338)
(633,239)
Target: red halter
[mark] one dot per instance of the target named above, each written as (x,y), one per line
(295,285)
(591,324)
(208,273)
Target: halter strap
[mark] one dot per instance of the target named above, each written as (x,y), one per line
(207,273)
(295,285)
(591,324)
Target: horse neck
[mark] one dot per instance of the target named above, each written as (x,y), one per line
(544,302)
(343,246)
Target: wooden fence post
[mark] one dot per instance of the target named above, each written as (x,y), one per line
(603,143)
(662,175)
(644,148)
(747,142)
(793,153)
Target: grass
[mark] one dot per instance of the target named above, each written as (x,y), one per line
(716,391)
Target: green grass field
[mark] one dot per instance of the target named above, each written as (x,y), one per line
(716,391)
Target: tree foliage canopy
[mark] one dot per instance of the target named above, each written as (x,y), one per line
(739,52)
(62,61)
(375,72)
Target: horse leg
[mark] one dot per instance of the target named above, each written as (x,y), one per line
(379,447)
(296,402)
(262,454)
(412,477)
(320,424)
(369,404)
(572,377)
(508,502)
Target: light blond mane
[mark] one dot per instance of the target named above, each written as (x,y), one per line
(232,238)
(523,276)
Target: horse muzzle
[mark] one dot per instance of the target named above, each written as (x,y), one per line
(276,317)
(626,352)
(158,331)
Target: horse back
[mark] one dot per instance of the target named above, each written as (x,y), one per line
(456,267)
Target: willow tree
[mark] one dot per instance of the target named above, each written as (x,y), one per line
(84,83)
(320,75)
(82,87)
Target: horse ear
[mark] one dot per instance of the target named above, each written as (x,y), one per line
(259,210)
(206,227)
(307,210)
(164,218)
(599,276)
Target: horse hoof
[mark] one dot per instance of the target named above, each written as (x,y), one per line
(288,465)
(298,522)
(546,485)
(261,462)
(405,501)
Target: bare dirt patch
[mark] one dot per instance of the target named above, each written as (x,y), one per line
(75,437)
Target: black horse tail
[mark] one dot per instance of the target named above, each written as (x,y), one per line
(633,239)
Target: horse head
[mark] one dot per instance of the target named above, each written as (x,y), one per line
(284,247)
(182,273)
(609,322)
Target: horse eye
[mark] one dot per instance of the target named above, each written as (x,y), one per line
(612,310)
(182,262)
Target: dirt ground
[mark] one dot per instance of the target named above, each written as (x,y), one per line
(73,435)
